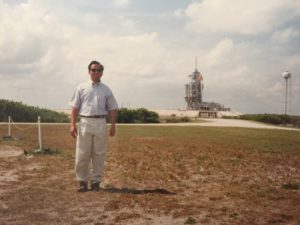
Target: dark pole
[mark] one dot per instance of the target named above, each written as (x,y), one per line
(286,94)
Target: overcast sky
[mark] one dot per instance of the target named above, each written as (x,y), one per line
(148,49)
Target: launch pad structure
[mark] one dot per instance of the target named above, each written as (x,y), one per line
(194,91)
(194,96)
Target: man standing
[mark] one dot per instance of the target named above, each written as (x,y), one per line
(92,101)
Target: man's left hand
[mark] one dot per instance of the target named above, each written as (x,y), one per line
(112,130)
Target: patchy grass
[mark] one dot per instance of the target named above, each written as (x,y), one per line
(158,175)
(190,220)
(294,186)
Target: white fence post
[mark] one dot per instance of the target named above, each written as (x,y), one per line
(40,132)
(9,128)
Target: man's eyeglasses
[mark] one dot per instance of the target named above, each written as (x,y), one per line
(96,70)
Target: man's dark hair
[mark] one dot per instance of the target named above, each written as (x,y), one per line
(96,62)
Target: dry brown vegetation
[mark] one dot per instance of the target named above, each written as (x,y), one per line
(156,175)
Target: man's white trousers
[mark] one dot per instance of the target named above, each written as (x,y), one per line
(91,148)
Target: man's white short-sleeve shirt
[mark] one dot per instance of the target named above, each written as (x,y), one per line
(93,99)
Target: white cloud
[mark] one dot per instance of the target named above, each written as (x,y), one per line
(293,62)
(283,36)
(129,26)
(179,13)
(228,54)
(222,51)
(240,16)
(271,91)
(233,76)
(121,3)
(58,53)
(20,40)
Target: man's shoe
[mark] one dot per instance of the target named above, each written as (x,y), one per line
(82,187)
(95,187)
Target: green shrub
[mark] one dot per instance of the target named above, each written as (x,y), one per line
(273,119)
(140,115)
(230,117)
(174,119)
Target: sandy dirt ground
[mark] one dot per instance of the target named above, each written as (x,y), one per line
(212,122)
(169,180)
(240,123)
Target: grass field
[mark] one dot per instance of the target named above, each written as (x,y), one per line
(157,175)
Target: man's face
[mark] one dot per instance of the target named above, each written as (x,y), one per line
(95,72)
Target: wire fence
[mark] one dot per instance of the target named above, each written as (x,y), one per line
(11,122)
(23,129)
(36,135)
(28,137)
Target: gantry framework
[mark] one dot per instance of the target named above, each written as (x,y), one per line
(194,90)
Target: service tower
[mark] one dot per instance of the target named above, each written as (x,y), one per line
(194,90)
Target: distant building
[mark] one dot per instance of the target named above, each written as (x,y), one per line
(194,97)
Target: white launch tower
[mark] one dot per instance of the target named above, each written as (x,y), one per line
(194,90)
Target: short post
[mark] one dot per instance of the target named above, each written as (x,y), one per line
(40,132)
(9,126)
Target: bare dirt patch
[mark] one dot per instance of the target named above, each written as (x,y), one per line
(7,154)
(10,151)
(11,170)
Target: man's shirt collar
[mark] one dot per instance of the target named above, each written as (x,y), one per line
(95,84)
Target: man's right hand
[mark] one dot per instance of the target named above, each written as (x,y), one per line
(73,131)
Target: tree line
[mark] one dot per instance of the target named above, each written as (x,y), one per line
(275,119)
(23,113)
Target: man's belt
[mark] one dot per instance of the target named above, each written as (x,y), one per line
(94,116)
